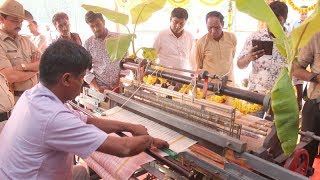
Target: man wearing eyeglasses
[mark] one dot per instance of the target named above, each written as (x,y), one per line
(19,58)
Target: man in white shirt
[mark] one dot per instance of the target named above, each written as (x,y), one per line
(174,45)
(38,39)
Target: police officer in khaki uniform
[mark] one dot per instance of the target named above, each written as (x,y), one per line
(19,58)
(6,99)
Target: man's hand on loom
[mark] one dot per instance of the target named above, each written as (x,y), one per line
(138,130)
(159,143)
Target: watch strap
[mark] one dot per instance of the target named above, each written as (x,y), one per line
(313,77)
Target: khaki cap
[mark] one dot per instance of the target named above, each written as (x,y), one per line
(12,8)
(28,15)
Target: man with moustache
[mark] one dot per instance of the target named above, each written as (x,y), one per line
(174,44)
(104,74)
(215,50)
(19,58)
(61,22)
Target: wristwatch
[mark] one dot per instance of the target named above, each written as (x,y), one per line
(23,66)
(313,77)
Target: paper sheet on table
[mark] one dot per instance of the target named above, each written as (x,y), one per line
(122,168)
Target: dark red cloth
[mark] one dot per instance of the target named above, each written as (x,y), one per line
(74,37)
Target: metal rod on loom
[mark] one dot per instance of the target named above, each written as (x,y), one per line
(226,90)
(167,162)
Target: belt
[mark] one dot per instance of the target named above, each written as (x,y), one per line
(4,116)
(18,93)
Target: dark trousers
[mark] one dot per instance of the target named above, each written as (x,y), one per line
(4,116)
(311,122)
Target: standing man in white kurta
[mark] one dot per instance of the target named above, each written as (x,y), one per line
(174,44)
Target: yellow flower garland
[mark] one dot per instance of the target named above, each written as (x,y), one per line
(301,10)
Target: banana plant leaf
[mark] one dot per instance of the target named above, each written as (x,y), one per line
(302,34)
(118,46)
(149,53)
(283,100)
(142,12)
(111,15)
(286,112)
(127,5)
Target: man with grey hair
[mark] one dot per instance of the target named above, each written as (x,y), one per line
(215,50)
(104,73)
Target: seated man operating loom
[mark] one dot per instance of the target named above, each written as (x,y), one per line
(42,134)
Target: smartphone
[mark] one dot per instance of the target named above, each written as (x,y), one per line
(266,45)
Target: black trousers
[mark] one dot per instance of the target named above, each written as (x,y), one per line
(311,122)
(4,116)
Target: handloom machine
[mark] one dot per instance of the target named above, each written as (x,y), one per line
(229,145)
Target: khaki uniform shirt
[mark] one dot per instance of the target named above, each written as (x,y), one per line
(310,55)
(216,56)
(14,52)
(6,97)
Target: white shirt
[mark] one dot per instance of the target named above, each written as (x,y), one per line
(40,41)
(173,51)
(41,137)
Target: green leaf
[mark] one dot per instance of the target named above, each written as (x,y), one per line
(118,46)
(142,12)
(284,46)
(127,5)
(111,15)
(149,53)
(260,10)
(286,112)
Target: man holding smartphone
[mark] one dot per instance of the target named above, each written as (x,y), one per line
(266,66)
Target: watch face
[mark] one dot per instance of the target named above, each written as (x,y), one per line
(314,77)
(23,66)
